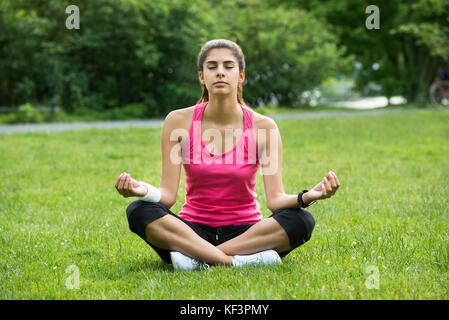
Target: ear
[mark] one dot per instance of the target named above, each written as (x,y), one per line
(242,77)
(201,77)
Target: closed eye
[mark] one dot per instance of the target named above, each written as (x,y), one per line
(210,68)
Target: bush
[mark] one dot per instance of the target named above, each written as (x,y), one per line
(28,114)
(133,110)
(287,51)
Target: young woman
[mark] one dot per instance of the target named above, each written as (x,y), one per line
(220,221)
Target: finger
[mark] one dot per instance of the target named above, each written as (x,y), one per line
(335,184)
(126,183)
(121,181)
(323,190)
(336,179)
(117,181)
(130,186)
(332,181)
(127,187)
(124,189)
(328,186)
(116,184)
(120,185)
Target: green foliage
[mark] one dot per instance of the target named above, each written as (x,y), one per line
(27,113)
(145,52)
(287,50)
(410,46)
(124,52)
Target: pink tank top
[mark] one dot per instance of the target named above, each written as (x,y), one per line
(220,187)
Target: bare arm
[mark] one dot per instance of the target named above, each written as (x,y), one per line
(171,169)
(271,162)
(270,146)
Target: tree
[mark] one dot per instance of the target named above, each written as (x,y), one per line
(287,50)
(145,51)
(410,46)
(125,51)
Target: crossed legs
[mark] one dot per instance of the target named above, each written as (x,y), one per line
(165,231)
(171,233)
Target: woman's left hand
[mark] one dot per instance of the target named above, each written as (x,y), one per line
(326,188)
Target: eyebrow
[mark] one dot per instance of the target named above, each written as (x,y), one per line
(227,61)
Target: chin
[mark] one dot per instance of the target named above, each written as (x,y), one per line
(221,92)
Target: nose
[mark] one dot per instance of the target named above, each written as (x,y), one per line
(220,71)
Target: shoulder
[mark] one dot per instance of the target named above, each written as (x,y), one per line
(263,122)
(264,127)
(179,118)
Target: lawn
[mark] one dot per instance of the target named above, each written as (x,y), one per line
(384,235)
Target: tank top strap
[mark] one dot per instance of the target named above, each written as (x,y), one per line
(196,118)
(198,114)
(198,111)
(248,124)
(251,149)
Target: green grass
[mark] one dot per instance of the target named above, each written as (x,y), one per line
(59,207)
(272,110)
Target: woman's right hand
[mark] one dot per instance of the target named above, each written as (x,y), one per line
(128,187)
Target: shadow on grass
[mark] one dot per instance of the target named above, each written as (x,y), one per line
(150,264)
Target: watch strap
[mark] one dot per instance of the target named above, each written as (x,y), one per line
(302,204)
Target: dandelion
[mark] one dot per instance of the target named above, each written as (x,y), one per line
(328,262)
(354,243)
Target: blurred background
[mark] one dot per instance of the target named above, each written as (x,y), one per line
(137,58)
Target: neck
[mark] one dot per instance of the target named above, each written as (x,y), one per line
(223,110)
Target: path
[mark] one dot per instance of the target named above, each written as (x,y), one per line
(151,123)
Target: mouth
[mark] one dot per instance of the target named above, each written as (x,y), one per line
(220,83)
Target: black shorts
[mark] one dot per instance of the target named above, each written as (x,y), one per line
(298,223)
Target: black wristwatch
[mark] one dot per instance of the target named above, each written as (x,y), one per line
(302,204)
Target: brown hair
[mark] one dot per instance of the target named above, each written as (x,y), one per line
(219,44)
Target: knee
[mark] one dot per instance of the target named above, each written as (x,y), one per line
(308,221)
(298,223)
(132,208)
(138,212)
(138,206)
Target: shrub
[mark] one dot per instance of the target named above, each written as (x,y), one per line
(28,114)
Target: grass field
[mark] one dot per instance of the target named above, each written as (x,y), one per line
(384,235)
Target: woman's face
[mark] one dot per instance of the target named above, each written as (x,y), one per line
(221,72)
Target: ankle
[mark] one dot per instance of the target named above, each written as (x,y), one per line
(227,260)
